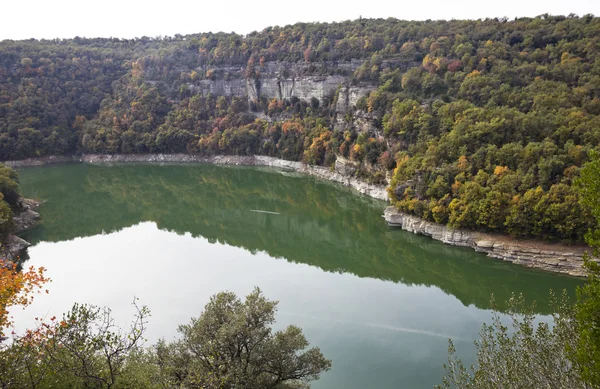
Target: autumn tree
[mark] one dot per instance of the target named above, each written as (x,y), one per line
(17,288)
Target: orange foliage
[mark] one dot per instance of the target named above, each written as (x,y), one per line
(17,288)
(463,163)
(292,127)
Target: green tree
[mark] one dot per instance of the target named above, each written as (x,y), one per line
(232,345)
(587,315)
(587,352)
(588,186)
(524,356)
(87,346)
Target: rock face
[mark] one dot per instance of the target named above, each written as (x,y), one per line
(277,79)
(13,248)
(347,98)
(529,253)
(42,161)
(27,217)
(272,87)
(235,87)
(304,87)
(24,219)
(286,80)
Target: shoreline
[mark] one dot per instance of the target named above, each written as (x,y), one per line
(552,257)
(375,191)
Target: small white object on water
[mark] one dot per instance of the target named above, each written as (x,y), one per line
(269,212)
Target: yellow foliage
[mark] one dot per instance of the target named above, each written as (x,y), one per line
(462,163)
(473,74)
(429,59)
(501,170)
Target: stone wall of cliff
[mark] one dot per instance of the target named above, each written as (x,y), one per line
(287,80)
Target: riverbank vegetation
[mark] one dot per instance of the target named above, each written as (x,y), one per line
(487,122)
(9,197)
(523,354)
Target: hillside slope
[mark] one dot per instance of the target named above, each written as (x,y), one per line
(485,122)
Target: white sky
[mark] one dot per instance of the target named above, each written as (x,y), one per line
(23,19)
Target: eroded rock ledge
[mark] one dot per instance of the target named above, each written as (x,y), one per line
(530,253)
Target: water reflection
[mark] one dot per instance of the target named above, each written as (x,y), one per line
(374,331)
(310,222)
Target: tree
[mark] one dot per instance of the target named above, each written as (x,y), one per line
(588,186)
(24,363)
(530,356)
(587,315)
(587,352)
(232,345)
(17,288)
(86,345)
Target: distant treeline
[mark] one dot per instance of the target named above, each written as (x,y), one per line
(487,122)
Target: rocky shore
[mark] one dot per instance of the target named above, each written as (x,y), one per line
(530,253)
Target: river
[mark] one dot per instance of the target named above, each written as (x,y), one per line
(380,302)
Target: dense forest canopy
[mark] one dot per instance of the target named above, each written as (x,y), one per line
(486,122)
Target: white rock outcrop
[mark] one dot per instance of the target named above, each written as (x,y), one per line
(551,257)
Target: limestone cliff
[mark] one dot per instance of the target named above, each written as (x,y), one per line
(280,80)
(286,81)
(347,115)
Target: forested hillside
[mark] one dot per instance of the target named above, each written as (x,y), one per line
(486,122)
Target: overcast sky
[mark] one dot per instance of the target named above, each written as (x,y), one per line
(23,19)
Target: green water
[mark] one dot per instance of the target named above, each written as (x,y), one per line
(380,302)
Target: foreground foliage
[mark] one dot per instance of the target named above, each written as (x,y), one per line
(522,354)
(587,316)
(231,345)
(17,288)
(9,196)
(562,354)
